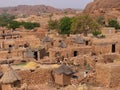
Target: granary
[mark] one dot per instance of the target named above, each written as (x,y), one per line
(108,75)
(10,79)
(81,40)
(62,44)
(78,40)
(63,75)
(48,42)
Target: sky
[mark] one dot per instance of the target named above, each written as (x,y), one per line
(77,4)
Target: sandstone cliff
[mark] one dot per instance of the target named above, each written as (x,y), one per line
(107,8)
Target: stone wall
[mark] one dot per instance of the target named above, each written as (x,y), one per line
(108,75)
(69,51)
(39,76)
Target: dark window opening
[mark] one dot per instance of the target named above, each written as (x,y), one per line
(113,48)
(47,54)
(74,76)
(52,43)
(9,49)
(35,55)
(26,45)
(75,53)
(85,62)
(32,70)
(86,43)
(10,46)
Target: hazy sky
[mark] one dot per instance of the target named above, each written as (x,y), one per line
(80,4)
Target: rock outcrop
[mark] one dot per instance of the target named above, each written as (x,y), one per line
(107,8)
(34,10)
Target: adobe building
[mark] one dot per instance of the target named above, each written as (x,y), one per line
(37,54)
(106,45)
(108,75)
(63,75)
(71,51)
(108,30)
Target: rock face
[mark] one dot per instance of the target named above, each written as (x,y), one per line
(109,8)
(33,10)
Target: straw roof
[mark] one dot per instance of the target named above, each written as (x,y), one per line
(64,70)
(47,39)
(10,77)
(62,44)
(78,40)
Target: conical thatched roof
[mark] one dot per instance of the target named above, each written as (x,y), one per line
(79,40)
(10,77)
(47,39)
(63,69)
(62,44)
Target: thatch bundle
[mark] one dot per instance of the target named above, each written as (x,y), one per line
(10,77)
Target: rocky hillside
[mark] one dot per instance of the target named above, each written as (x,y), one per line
(109,8)
(33,10)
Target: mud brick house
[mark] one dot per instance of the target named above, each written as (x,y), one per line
(79,40)
(37,54)
(108,74)
(108,30)
(106,45)
(63,75)
(13,53)
(71,51)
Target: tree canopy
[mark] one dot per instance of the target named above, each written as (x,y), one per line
(53,24)
(14,24)
(113,23)
(30,25)
(65,25)
(5,19)
(82,23)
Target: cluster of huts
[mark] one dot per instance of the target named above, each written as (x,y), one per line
(83,60)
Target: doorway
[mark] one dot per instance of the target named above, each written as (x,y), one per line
(113,48)
(35,55)
(86,43)
(75,53)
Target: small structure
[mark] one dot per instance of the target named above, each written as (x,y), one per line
(36,53)
(47,39)
(63,75)
(62,44)
(78,40)
(10,80)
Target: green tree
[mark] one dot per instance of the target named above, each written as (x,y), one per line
(101,21)
(96,33)
(65,25)
(14,25)
(5,18)
(113,23)
(84,24)
(30,25)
